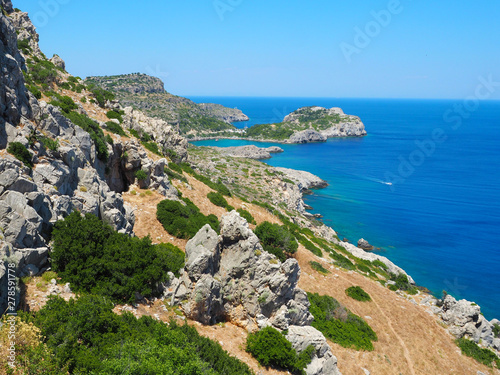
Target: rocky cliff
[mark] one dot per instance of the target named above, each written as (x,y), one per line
(148,94)
(72,173)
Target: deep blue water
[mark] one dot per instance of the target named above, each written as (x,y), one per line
(440,220)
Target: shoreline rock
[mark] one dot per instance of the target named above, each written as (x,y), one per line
(249,152)
(365,245)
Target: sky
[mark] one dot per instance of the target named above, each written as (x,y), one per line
(288,48)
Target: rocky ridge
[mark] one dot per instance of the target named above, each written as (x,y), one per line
(230,277)
(148,95)
(304,180)
(65,178)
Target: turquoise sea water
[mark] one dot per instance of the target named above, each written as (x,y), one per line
(440,218)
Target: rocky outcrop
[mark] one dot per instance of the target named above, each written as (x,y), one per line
(220,112)
(365,245)
(249,152)
(307,136)
(14,98)
(303,179)
(26,32)
(167,137)
(464,318)
(230,277)
(57,61)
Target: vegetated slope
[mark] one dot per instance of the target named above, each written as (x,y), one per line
(148,94)
(310,124)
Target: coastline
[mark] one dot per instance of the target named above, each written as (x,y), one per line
(285,142)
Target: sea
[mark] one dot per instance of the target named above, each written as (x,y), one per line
(423,186)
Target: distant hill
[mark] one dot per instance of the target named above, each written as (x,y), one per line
(148,94)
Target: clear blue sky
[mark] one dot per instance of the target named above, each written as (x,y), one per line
(429,49)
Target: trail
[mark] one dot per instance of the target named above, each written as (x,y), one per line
(406,352)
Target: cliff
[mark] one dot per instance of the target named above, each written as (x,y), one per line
(147,94)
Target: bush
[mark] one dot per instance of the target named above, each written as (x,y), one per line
(318,267)
(402,283)
(115,128)
(246,215)
(484,356)
(94,258)
(358,293)
(21,153)
(35,91)
(309,245)
(217,199)
(101,95)
(271,348)
(496,330)
(174,176)
(342,261)
(115,115)
(183,221)
(175,167)
(276,239)
(65,103)
(339,324)
(51,144)
(153,147)
(141,175)
(88,338)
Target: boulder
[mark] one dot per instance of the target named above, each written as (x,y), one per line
(57,61)
(363,244)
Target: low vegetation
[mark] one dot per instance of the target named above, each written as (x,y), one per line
(271,348)
(318,267)
(276,239)
(21,153)
(484,356)
(183,221)
(402,283)
(219,200)
(357,293)
(339,324)
(84,336)
(246,215)
(115,128)
(95,259)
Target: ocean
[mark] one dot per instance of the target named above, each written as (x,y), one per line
(423,185)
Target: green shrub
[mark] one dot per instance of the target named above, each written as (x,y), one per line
(51,144)
(109,139)
(88,338)
(83,99)
(115,128)
(309,245)
(318,267)
(246,215)
(48,276)
(141,175)
(217,199)
(35,91)
(276,239)
(484,356)
(342,261)
(358,293)
(21,153)
(183,221)
(171,154)
(339,324)
(153,147)
(101,95)
(24,46)
(496,330)
(135,133)
(175,167)
(94,258)
(402,283)
(65,103)
(271,348)
(115,115)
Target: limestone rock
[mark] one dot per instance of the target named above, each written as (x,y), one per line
(304,180)
(249,152)
(57,61)
(363,244)
(307,136)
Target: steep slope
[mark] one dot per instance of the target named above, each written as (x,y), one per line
(148,94)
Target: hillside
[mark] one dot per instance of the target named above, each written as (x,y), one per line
(129,252)
(148,95)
